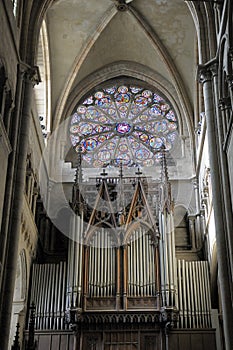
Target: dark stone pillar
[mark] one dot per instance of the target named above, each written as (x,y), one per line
(10,177)
(205,77)
(30,77)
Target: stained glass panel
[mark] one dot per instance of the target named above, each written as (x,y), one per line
(123,124)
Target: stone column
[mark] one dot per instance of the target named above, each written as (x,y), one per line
(30,77)
(205,77)
(198,225)
(224,173)
(10,177)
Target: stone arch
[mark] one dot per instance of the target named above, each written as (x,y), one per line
(202,14)
(130,70)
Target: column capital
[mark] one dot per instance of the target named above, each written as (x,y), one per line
(30,74)
(205,72)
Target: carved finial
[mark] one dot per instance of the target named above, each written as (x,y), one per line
(121,170)
(164,171)
(77,204)
(16,345)
(31,345)
(139,173)
(104,173)
(79,171)
(165,188)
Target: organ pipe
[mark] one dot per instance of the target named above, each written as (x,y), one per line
(75,250)
(118,277)
(124,278)
(193,296)
(47,293)
(102,266)
(141,265)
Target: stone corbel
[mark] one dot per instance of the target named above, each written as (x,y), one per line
(203,74)
(30,74)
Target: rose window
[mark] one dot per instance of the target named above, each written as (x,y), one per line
(123,124)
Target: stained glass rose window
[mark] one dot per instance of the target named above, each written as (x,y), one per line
(123,124)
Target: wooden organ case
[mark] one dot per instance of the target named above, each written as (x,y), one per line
(124,296)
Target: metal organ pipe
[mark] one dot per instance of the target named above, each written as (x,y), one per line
(75,250)
(193,296)
(168,276)
(90,278)
(141,264)
(75,261)
(101,266)
(188,293)
(125,279)
(97,267)
(51,315)
(148,269)
(70,267)
(207,291)
(56,299)
(104,279)
(48,294)
(137,262)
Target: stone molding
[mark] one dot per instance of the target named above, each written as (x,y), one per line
(4,140)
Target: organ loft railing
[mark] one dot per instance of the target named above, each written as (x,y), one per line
(122,255)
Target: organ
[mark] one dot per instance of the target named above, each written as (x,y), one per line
(121,285)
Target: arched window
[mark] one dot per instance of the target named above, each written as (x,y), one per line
(43,90)
(123,123)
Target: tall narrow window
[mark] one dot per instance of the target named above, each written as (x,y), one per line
(15,6)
